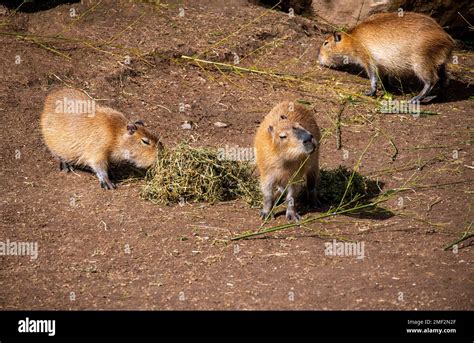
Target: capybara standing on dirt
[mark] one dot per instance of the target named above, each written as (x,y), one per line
(287,136)
(80,133)
(397,44)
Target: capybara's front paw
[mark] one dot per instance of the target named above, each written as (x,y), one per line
(264,214)
(291,216)
(107,184)
(371,92)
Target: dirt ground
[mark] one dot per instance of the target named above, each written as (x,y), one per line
(103,249)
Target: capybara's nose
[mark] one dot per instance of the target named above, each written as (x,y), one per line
(308,137)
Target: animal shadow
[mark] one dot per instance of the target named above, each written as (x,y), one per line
(125,171)
(406,87)
(35,6)
(351,189)
(118,173)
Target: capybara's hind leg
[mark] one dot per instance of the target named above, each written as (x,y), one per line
(428,86)
(312,180)
(429,79)
(443,76)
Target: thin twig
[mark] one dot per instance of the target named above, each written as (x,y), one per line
(309,220)
(471,27)
(466,235)
(356,168)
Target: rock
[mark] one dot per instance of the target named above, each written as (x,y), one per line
(298,6)
(187,125)
(344,13)
(348,13)
(220,124)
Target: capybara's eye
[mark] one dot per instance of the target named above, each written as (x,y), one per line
(325,43)
(146,141)
(282,135)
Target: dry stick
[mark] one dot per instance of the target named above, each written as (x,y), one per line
(356,168)
(212,78)
(68,27)
(264,46)
(283,76)
(441,184)
(324,234)
(309,220)
(430,206)
(429,147)
(48,48)
(463,238)
(471,27)
(338,127)
(412,216)
(395,154)
(101,50)
(235,68)
(67,39)
(92,44)
(360,11)
(273,42)
(405,167)
(125,29)
(291,60)
(32,38)
(13,12)
(384,197)
(228,79)
(242,28)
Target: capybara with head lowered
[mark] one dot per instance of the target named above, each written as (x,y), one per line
(80,133)
(394,44)
(287,137)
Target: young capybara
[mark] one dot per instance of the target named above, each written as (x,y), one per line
(394,44)
(287,136)
(80,133)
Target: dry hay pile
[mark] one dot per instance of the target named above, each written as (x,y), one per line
(200,174)
(196,174)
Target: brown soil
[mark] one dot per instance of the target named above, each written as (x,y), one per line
(180,256)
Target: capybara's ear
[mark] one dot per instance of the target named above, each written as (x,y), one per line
(131,128)
(140,122)
(337,37)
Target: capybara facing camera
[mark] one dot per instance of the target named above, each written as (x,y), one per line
(287,137)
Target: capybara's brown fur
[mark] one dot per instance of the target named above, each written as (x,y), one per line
(394,44)
(287,136)
(80,133)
